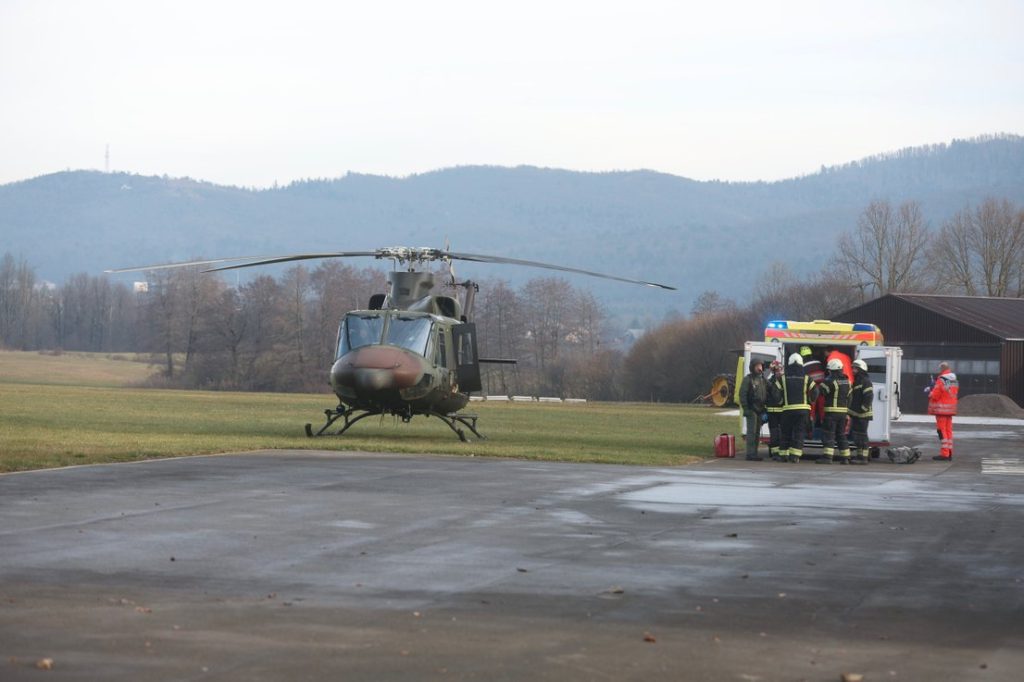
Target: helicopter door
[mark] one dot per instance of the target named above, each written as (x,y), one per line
(884,369)
(467,366)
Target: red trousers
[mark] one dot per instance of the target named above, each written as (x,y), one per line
(944,425)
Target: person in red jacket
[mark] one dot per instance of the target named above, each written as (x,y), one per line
(942,403)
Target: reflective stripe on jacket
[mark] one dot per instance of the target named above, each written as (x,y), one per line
(798,391)
(943,397)
(837,392)
(862,395)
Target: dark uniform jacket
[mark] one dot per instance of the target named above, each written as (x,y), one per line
(774,394)
(862,394)
(753,393)
(798,391)
(836,389)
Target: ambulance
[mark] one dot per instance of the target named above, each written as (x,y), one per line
(859,340)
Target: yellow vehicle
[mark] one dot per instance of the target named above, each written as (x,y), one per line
(824,331)
(858,340)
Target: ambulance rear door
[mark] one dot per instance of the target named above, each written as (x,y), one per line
(884,365)
(755,350)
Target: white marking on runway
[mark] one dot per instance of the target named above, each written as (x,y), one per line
(1009,466)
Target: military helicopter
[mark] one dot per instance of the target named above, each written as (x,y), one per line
(412,351)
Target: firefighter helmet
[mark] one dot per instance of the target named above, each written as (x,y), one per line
(795,359)
(835,363)
(860,364)
(806,350)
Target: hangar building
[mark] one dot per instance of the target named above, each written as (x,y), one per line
(981,337)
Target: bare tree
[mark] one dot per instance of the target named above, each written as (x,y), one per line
(501,330)
(162,317)
(19,296)
(197,292)
(780,295)
(711,302)
(981,251)
(954,256)
(545,303)
(887,248)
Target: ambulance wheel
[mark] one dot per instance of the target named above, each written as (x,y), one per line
(875,453)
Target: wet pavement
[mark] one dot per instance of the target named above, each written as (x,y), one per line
(315,565)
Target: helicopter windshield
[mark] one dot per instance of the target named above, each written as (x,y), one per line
(359,330)
(411,333)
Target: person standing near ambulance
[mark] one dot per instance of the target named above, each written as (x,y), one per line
(753,393)
(774,407)
(816,371)
(836,393)
(942,399)
(798,392)
(836,354)
(862,395)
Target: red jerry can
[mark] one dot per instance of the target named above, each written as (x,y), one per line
(725,445)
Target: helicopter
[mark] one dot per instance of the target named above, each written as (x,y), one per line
(412,351)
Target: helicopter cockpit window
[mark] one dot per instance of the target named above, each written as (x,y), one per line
(411,333)
(359,330)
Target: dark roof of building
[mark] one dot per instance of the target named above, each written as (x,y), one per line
(1001,317)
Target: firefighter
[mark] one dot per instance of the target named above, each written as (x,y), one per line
(816,371)
(835,391)
(942,399)
(773,404)
(798,392)
(862,395)
(834,353)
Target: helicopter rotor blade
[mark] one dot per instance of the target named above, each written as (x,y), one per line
(300,256)
(534,264)
(182,264)
(399,254)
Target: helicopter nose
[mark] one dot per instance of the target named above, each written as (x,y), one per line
(377,368)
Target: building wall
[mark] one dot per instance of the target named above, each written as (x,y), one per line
(983,363)
(977,369)
(1011,372)
(902,322)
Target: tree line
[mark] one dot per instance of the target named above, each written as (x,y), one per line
(979,251)
(279,333)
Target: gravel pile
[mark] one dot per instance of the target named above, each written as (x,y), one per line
(989,405)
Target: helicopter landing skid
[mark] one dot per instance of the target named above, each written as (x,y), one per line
(467,420)
(452,420)
(333,416)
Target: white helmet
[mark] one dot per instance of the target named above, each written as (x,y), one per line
(835,363)
(861,364)
(795,359)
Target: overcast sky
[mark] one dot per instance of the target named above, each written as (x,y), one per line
(252,93)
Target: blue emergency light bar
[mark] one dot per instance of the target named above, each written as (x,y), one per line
(778,324)
(863,327)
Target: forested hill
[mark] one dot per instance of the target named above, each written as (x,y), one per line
(695,235)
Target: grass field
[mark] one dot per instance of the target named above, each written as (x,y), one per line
(45,422)
(74,369)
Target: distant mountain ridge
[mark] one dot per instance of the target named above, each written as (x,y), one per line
(643,224)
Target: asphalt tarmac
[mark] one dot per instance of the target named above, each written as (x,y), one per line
(340,566)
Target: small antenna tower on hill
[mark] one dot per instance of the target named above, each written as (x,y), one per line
(106,160)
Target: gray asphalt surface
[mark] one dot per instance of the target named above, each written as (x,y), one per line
(300,565)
